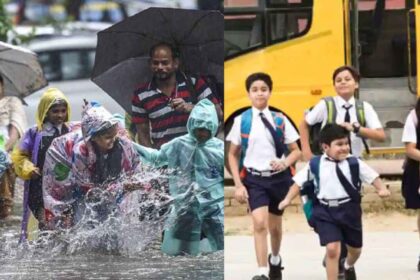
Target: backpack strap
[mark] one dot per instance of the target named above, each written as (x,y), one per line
(360,113)
(352,188)
(355,172)
(331,109)
(314,164)
(246,121)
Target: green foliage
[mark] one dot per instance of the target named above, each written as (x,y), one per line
(7,28)
(5,22)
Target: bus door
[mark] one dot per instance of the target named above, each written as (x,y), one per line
(382,44)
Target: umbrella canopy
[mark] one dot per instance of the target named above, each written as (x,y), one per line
(122,54)
(22,74)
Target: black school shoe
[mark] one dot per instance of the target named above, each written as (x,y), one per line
(260,277)
(341,275)
(275,270)
(350,274)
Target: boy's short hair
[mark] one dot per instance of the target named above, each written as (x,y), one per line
(259,76)
(331,132)
(353,71)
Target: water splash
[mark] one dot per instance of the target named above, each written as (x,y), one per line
(117,246)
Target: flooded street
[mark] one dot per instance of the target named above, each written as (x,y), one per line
(151,265)
(68,261)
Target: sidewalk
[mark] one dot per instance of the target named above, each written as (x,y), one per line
(385,256)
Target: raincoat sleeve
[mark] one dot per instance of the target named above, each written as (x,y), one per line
(21,156)
(56,180)
(151,156)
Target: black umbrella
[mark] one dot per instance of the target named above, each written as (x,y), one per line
(122,54)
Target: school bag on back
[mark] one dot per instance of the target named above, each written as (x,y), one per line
(246,121)
(315,129)
(310,188)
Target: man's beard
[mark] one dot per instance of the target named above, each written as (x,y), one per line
(163,76)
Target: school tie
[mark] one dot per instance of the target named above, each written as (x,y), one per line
(347,116)
(348,187)
(347,120)
(56,132)
(276,138)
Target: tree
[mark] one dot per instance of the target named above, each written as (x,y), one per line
(5,22)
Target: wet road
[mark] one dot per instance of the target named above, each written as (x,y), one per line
(50,263)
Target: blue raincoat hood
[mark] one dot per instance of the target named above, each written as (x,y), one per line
(203,115)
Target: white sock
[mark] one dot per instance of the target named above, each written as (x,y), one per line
(263,270)
(346,265)
(275,260)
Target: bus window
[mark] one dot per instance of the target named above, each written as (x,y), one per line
(285,26)
(253,24)
(242,33)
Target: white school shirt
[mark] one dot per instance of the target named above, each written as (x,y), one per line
(320,114)
(410,128)
(261,149)
(329,184)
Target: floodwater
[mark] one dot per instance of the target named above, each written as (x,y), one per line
(95,251)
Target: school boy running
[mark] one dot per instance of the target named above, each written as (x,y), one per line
(336,214)
(260,140)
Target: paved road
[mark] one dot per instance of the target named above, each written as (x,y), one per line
(386,256)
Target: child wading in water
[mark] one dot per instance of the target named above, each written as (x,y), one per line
(52,121)
(195,224)
(104,156)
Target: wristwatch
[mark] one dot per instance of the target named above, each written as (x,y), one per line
(356,128)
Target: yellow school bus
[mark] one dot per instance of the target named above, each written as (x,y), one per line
(300,43)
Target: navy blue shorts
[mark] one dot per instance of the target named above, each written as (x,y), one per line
(268,191)
(342,223)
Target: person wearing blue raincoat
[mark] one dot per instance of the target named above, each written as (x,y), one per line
(195,223)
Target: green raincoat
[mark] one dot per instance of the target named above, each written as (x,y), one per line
(195,224)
